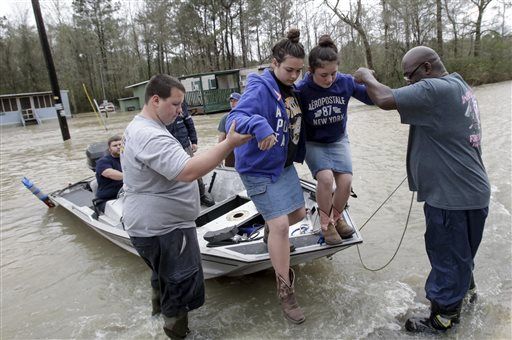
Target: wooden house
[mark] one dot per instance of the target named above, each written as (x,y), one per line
(31,108)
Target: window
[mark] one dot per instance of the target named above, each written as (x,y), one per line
(212,84)
(47,101)
(43,101)
(6,105)
(196,85)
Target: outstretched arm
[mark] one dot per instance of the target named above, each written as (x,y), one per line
(200,165)
(380,94)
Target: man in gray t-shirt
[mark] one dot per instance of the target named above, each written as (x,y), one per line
(445,168)
(162,201)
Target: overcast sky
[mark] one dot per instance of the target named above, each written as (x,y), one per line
(15,9)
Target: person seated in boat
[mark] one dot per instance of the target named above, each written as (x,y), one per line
(161,201)
(185,132)
(109,173)
(233,101)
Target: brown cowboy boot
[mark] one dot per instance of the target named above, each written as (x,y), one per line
(343,228)
(286,295)
(330,234)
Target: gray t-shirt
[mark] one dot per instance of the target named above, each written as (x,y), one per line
(222,123)
(155,203)
(444,161)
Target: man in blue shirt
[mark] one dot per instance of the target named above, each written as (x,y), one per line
(109,173)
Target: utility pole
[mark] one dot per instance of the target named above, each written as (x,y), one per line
(51,70)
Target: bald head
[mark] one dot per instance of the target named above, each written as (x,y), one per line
(420,54)
(422,62)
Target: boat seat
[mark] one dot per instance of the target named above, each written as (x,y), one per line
(94,186)
(114,210)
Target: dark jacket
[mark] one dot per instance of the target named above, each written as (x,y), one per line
(183,128)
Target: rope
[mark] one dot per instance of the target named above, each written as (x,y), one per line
(401,238)
(385,201)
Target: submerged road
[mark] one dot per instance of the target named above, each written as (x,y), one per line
(61,280)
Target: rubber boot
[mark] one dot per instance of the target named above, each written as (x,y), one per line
(286,295)
(438,322)
(206,197)
(176,327)
(471,296)
(342,227)
(266,232)
(155,301)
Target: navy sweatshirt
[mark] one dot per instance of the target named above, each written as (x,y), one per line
(325,109)
(183,128)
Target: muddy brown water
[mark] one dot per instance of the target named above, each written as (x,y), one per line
(61,280)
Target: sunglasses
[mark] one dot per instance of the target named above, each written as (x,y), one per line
(408,77)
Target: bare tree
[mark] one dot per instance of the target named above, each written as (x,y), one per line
(355,23)
(481,5)
(439,27)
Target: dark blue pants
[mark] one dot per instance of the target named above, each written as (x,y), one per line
(175,261)
(452,239)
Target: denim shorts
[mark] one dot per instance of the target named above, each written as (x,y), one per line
(275,199)
(329,156)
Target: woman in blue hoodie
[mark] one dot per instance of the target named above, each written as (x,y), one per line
(324,96)
(269,110)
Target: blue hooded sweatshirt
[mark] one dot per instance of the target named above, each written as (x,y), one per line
(325,109)
(261,112)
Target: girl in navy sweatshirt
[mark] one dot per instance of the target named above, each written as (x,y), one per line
(269,110)
(324,96)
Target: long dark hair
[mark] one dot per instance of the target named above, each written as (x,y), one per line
(289,46)
(326,51)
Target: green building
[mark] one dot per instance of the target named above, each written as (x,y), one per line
(206,92)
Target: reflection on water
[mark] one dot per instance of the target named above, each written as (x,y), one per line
(62,280)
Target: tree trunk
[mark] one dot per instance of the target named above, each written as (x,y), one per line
(481,4)
(439,26)
(385,20)
(454,28)
(367,48)
(148,58)
(260,59)
(355,23)
(242,34)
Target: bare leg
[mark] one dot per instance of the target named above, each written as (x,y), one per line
(296,216)
(341,194)
(279,251)
(279,246)
(324,184)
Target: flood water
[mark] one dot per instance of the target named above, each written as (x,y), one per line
(61,280)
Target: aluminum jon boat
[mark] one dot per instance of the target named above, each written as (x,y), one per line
(230,233)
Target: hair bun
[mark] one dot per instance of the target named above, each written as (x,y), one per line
(326,41)
(293,35)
